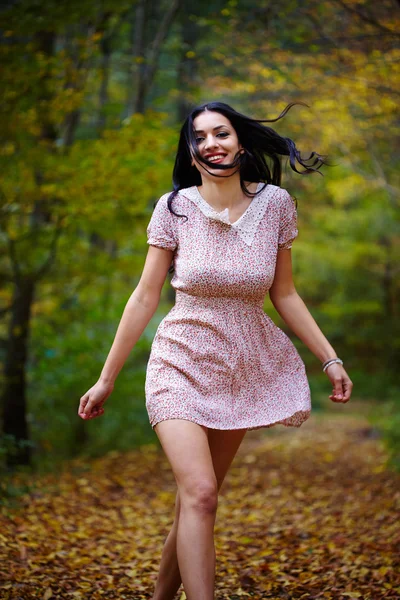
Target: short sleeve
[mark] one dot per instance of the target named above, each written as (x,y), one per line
(161,230)
(288,221)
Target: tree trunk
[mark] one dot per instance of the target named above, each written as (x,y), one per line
(145,54)
(105,48)
(71,124)
(14,397)
(103,93)
(137,72)
(188,66)
(14,394)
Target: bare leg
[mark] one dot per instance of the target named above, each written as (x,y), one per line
(186,447)
(223,447)
(169,577)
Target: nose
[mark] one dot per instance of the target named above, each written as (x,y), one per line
(210,142)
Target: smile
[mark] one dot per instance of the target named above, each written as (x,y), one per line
(216,158)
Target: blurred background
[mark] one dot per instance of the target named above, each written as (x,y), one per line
(93,97)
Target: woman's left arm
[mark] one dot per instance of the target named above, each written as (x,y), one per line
(295,313)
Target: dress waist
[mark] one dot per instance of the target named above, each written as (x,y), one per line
(218,302)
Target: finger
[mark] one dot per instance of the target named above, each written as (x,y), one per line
(338,388)
(345,396)
(88,408)
(347,386)
(86,404)
(93,406)
(82,403)
(334,396)
(96,411)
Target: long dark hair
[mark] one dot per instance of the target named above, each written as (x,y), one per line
(260,145)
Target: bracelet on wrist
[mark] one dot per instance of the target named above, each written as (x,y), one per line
(328,360)
(331,361)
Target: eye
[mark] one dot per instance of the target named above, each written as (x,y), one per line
(198,140)
(223,134)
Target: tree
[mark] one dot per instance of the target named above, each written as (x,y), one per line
(47,64)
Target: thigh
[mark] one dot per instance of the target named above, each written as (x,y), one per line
(223,446)
(187,449)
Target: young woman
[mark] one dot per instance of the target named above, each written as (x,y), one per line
(218,366)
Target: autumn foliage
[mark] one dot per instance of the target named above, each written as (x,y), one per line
(303,514)
(93,99)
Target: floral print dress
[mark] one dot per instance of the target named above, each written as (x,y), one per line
(217,358)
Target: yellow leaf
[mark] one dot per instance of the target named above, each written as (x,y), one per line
(131,572)
(378,469)
(328,457)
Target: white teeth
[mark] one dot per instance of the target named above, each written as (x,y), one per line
(217,157)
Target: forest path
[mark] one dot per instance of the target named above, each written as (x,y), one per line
(304,514)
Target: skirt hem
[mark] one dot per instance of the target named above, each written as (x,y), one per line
(296,419)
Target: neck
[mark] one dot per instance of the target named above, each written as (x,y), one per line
(223,192)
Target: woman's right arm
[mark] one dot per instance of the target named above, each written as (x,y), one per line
(138,311)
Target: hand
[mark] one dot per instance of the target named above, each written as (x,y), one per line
(342,384)
(91,403)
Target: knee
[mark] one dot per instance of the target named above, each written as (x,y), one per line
(201,496)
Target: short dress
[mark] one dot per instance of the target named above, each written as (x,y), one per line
(217,359)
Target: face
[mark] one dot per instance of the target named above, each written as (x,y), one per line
(217,141)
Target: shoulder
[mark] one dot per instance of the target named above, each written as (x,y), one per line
(189,191)
(186,192)
(161,206)
(173,211)
(279,199)
(279,194)
(179,197)
(182,201)
(163,200)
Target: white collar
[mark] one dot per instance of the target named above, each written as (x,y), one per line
(247,224)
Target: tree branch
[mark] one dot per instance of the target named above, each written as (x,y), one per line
(366,18)
(13,258)
(161,35)
(52,253)
(378,179)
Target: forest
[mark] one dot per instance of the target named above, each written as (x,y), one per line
(94,95)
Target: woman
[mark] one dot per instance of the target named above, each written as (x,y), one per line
(218,364)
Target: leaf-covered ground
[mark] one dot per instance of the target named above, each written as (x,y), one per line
(304,513)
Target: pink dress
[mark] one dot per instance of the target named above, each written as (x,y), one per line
(217,359)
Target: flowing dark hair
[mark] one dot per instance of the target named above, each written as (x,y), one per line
(260,144)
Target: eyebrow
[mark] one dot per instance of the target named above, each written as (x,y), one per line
(214,128)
